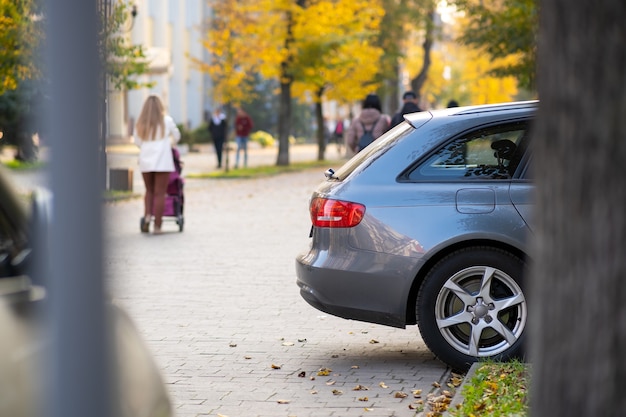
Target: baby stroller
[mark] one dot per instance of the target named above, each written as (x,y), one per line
(174,199)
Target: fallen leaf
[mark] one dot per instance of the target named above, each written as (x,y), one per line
(233,345)
(313,392)
(374,341)
(276,366)
(288,343)
(436,385)
(368,409)
(324,372)
(330,383)
(302,374)
(283,401)
(447,393)
(364,399)
(247,357)
(334,356)
(417,393)
(312,378)
(400,394)
(383,385)
(360,388)
(301,340)
(221,415)
(355,366)
(337,392)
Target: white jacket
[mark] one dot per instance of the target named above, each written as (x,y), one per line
(156,155)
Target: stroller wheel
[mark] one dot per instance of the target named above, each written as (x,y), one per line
(144,225)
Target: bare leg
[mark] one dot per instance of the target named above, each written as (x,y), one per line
(148,180)
(160,187)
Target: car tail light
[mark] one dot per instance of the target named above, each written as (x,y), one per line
(335,213)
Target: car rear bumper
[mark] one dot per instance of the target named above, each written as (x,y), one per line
(356,295)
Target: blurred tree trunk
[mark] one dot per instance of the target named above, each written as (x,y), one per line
(321,126)
(579,281)
(417,83)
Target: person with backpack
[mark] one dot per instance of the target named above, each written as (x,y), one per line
(368,126)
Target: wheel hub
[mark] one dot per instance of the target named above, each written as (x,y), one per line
(480,310)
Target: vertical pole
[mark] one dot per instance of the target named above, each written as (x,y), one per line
(77,380)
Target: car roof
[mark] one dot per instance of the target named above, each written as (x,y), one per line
(415,118)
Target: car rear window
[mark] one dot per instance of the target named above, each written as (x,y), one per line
(379,146)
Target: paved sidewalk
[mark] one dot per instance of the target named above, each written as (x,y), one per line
(219,307)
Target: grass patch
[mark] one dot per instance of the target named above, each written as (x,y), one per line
(266,170)
(496,389)
(22,166)
(116,195)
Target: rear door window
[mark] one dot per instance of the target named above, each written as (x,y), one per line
(488,153)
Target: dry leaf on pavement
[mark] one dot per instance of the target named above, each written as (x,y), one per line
(276,366)
(324,372)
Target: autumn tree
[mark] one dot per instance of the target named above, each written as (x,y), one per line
(579,314)
(292,41)
(21,32)
(336,58)
(506,30)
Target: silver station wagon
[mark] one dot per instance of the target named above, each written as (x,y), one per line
(429,225)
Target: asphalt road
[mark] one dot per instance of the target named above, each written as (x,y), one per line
(219,308)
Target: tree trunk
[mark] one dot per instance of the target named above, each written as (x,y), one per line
(579,282)
(284,123)
(418,82)
(321,127)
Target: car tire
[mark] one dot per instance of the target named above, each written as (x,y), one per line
(471,306)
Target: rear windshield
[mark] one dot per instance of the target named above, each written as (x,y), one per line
(378,147)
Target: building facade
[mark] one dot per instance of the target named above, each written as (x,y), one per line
(171,32)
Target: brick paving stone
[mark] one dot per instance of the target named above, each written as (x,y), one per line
(218,305)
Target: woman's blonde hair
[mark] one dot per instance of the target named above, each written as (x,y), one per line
(151,118)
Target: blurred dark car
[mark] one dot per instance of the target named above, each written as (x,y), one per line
(429,225)
(23,343)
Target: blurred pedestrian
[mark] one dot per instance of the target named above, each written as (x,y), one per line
(155,134)
(409,105)
(338,135)
(218,128)
(369,125)
(243,127)
(452,103)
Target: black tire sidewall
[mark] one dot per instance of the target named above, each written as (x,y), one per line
(432,285)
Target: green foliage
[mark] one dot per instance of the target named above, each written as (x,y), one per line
(496,389)
(262,138)
(198,135)
(505,29)
(123,61)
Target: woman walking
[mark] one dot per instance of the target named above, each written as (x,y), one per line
(155,133)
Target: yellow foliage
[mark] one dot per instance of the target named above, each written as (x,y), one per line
(324,46)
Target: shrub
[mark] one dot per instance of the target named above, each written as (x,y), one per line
(262,138)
